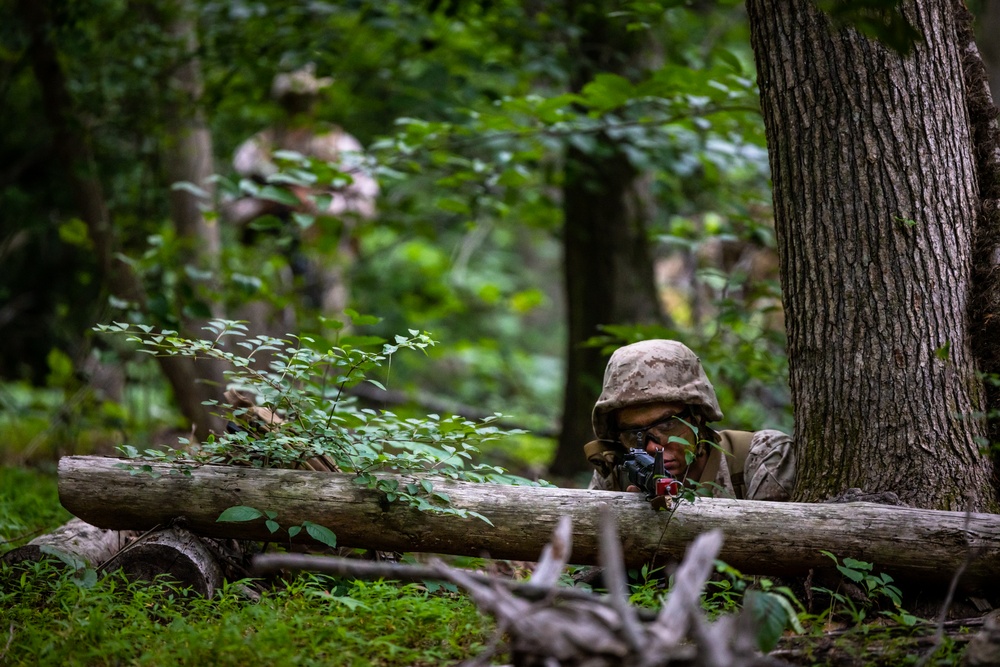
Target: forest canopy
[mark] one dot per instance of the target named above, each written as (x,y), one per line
(466,113)
(547,182)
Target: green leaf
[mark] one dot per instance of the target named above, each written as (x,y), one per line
(607,91)
(321,533)
(853,575)
(479,516)
(272,525)
(85,578)
(68,559)
(857,564)
(348,602)
(75,232)
(240,513)
(770,617)
(279,195)
(360,320)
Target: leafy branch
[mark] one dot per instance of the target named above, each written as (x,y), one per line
(300,411)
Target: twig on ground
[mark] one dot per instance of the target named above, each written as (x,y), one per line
(575,628)
(350,567)
(24,536)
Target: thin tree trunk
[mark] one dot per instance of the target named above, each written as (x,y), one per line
(607,263)
(761,537)
(188,158)
(875,207)
(984,316)
(608,274)
(73,149)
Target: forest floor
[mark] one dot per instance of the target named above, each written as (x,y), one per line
(51,616)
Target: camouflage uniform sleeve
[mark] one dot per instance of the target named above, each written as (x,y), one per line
(253,156)
(599,482)
(602,455)
(770,466)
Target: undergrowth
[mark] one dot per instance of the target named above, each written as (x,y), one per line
(51,620)
(29,505)
(49,616)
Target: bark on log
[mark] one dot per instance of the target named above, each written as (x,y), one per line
(75,539)
(760,538)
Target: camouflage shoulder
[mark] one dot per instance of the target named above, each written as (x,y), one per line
(770,466)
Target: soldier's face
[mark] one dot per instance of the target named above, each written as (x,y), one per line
(671,436)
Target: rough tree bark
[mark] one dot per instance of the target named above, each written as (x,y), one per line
(607,263)
(761,537)
(875,208)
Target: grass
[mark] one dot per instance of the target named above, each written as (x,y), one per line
(48,617)
(29,505)
(53,621)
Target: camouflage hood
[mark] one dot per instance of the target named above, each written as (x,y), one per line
(651,371)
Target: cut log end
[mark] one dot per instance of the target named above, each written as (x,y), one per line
(175,554)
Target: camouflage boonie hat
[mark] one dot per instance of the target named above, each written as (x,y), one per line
(653,371)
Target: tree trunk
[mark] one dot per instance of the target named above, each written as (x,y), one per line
(608,274)
(188,158)
(761,537)
(73,148)
(607,263)
(984,317)
(74,152)
(875,205)
(75,539)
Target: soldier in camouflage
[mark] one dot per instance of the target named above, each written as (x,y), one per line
(657,397)
(322,253)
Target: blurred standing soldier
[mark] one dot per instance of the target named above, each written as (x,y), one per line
(319,254)
(657,398)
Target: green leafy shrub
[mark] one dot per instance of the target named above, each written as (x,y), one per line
(309,413)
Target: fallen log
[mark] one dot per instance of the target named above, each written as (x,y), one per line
(77,541)
(174,553)
(760,537)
